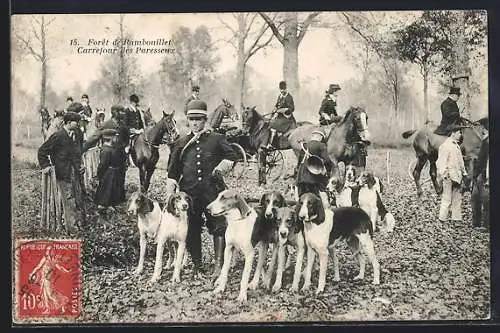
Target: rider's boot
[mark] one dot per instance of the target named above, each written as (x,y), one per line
(271,139)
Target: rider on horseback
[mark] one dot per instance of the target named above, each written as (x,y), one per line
(283,118)
(328,109)
(136,119)
(450,114)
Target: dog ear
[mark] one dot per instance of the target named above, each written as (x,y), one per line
(281,199)
(370,180)
(171,204)
(320,210)
(381,186)
(262,199)
(242,205)
(145,205)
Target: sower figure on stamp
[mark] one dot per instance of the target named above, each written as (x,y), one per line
(111,190)
(283,119)
(197,162)
(136,119)
(328,110)
(316,167)
(194,96)
(65,155)
(52,299)
(450,171)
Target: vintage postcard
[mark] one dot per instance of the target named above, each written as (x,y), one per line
(250,167)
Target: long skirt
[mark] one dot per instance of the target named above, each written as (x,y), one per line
(110,191)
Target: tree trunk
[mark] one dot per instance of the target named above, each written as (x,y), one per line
(426,97)
(43,90)
(291,53)
(241,61)
(461,70)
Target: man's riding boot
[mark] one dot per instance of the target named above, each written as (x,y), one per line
(219,246)
(271,139)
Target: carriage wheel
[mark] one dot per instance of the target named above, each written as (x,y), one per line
(274,164)
(424,175)
(240,166)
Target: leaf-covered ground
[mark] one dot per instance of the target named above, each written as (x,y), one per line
(429,270)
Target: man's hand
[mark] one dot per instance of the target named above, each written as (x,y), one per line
(46,169)
(326,116)
(81,170)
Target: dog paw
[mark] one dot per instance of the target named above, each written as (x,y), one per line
(176,279)
(294,288)
(336,279)
(137,271)
(218,289)
(305,287)
(358,277)
(154,279)
(276,287)
(253,285)
(376,282)
(319,290)
(242,297)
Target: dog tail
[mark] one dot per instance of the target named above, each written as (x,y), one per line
(407,134)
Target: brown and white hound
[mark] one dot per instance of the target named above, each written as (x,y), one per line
(325,228)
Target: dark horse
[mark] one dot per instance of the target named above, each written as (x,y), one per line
(344,138)
(144,150)
(480,196)
(426,145)
(225,109)
(259,131)
(45,118)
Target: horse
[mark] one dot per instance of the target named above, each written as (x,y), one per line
(426,145)
(144,149)
(480,201)
(96,123)
(225,109)
(45,122)
(346,139)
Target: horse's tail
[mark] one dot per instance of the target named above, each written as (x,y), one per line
(409,133)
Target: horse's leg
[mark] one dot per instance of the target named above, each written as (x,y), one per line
(421,159)
(433,174)
(262,166)
(147,179)
(142,177)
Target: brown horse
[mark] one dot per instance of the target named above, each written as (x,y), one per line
(225,109)
(257,127)
(144,150)
(480,196)
(344,138)
(45,122)
(426,145)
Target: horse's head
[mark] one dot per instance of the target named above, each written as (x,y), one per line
(473,137)
(358,119)
(248,117)
(229,109)
(168,126)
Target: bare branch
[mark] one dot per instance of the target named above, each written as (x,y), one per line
(258,47)
(30,49)
(249,24)
(305,25)
(227,25)
(273,27)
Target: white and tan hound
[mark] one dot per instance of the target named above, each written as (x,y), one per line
(325,228)
(164,227)
(244,226)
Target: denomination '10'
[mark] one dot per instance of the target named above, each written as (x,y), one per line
(31,301)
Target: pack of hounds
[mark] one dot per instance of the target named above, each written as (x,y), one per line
(307,225)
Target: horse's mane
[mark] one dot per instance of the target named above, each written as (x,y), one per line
(483,122)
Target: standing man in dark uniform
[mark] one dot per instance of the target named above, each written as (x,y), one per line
(65,156)
(197,162)
(194,96)
(328,108)
(137,119)
(86,113)
(283,119)
(450,114)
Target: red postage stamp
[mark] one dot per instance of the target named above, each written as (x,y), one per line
(48,274)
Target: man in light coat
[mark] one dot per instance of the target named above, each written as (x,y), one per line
(450,171)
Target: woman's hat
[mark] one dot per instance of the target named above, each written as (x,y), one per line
(75,107)
(455,91)
(134,98)
(453,128)
(196,108)
(333,88)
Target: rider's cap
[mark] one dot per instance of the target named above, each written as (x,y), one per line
(455,91)
(333,88)
(134,98)
(195,88)
(109,132)
(282,85)
(196,108)
(101,111)
(453,128)
(71,116)
(85,96)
